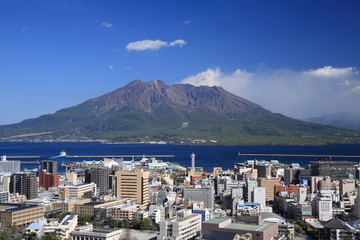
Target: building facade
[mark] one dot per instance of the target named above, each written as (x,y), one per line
(24,183)
(99,176)
(20,216)
(134,184)
(187,226)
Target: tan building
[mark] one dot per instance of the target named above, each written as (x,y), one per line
(20,216)
(77,191)
(269,185)
(134,184)
(217,171)
(89,207)
(69,205)
(123,211)
(71,177)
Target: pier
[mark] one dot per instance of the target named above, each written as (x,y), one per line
(119,156)
(83,156)
(295,155)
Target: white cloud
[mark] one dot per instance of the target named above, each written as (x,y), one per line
(111,67)
(116,49)
(293,93)
(329,71)
(106,24)
(152,44)
(187,22)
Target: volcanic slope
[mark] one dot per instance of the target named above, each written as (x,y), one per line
(182,113)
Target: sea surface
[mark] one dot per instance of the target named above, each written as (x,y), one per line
(206,156)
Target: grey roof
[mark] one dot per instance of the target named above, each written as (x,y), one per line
(266,215)
(215,235)
(334,224)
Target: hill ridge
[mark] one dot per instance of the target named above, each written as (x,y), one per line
(153,111)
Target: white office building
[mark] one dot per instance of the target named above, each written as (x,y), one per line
(259,196)
(324,208)
(185,226)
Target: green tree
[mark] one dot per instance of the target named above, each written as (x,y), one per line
(5,235)
(287,233)
(302,223)
(298,229)
(111,222)
(145,224)
(84,218)
(50,237)
(135,224)
(348,238)
(33,236)
(125,223)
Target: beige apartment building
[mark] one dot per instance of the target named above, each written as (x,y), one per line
(269,185)
(20,216)
(134,184)
(89,207)
(77,191)
(69,205)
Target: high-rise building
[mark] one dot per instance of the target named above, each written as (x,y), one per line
(9,166)
(336,170)
(47,180)
(134,184)
(269,185)
(249,190)
(24,183)
(288,176)
(50,166)
(324,208)
(99,176)
(259,196)
(71,177)
(204,194)
(264,171)
(4,196)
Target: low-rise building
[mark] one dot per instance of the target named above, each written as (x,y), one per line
(20,216)
(89,207)
(263,231)
(66,226)
(299,211)
(69,204)
(77,191)
(90,233)
(185,226)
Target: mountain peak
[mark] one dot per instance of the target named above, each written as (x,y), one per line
(148,96)
(143,111)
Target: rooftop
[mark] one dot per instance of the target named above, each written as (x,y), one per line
(92,203)
(242,226)
(14,209)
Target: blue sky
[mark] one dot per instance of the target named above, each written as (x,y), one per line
(299,58)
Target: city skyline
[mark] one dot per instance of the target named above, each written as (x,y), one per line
(292,57)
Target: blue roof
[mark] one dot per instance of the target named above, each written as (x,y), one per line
(35,225)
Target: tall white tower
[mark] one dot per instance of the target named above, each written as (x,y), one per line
(193,161)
